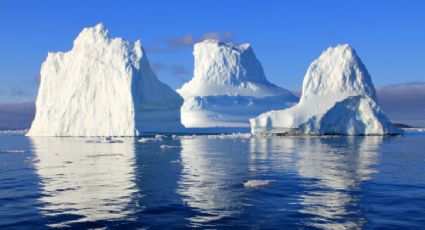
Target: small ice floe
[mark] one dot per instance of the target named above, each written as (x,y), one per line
(12,151)
(108,139)
(185,137)
(157,137)
(258,183)
(169,147)
(13,132)
(231,136)
(160,137)
(414,131)
(112,140)
(146,139)
(104,155)
(175,161)
(92,141)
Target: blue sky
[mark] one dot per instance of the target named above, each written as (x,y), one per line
(286,36)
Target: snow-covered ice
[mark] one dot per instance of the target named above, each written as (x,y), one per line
(338,97)
(228,87)
(103,87)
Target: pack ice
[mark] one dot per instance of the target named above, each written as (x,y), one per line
(103,87)
(228,87)
(338,97)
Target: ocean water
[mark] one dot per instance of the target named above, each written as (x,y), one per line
(315,182)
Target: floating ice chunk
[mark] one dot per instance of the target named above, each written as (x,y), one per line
(104,140)
(169,147)
(146,139)
(13,132)
(414,131)
(184,137)
(258,183)
(231,136)
(12,151)
(160,137)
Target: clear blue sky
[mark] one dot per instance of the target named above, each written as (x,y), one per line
(389,36)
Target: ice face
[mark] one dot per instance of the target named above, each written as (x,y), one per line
(102,87)
(338,98)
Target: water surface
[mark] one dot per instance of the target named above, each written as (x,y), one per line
(321,182)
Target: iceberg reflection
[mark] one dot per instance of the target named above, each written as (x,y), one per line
(335,167)
(211,178)
(329,172)
(84,181)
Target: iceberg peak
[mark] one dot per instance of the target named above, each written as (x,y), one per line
(225,68)
(92,34)
(338,70)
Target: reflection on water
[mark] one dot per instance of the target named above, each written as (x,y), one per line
(333,169)
(85,182)
(211,179)
(198,182)
(339,165)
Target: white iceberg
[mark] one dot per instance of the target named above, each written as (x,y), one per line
(338,97)
(228,87)
(103,87)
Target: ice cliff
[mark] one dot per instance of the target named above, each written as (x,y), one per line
(338,97)
(103,87)
(228,87)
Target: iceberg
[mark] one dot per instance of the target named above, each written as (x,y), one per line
(228,87)
(338,97)
(103,87)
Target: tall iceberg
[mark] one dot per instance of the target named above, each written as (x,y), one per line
(103,87)
(228,87)
(338,97)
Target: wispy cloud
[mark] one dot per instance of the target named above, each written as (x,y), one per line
(188,40)
(179,72)
(17,115)
(158,66)
(224,37)
(180,42)
(404,103)
(17,91)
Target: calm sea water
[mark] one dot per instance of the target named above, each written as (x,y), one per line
(321,182)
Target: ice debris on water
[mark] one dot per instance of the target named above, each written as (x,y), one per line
(258,183)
